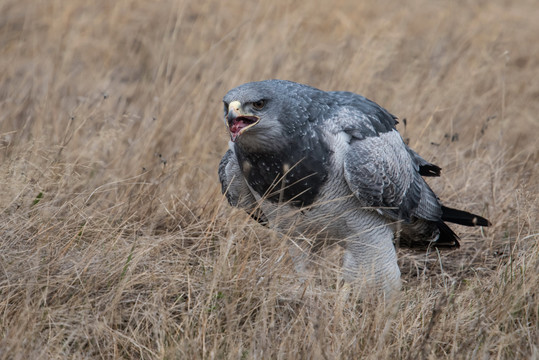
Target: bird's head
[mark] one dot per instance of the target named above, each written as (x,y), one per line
(263,114)
(240,117)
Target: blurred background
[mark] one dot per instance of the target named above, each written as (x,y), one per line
(111,133)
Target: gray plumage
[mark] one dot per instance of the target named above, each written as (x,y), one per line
(331,167)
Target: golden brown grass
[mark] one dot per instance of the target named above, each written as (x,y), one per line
(115,239)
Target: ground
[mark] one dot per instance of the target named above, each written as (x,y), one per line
(115,241)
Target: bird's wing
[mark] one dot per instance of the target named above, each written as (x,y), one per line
(235,188)
(384,173)
(363,118)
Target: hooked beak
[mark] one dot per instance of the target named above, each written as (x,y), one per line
(237,122)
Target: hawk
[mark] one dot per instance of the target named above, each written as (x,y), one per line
(331,167)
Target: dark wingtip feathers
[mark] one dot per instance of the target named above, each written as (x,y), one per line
(429,170)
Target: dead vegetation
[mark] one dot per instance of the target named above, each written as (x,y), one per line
(115,241)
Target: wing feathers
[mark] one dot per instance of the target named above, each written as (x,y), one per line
(381,173)
(425,168)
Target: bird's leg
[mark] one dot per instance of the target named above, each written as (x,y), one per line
(370,261)
(300,252)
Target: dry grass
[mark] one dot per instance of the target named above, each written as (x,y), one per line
(116,241)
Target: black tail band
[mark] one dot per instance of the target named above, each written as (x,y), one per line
(463,217)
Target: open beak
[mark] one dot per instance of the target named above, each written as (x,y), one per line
(238,122)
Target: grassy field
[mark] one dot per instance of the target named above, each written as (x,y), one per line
(115,240)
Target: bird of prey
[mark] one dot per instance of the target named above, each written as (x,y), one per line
(332,167)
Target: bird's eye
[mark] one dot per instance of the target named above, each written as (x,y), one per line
(259,105)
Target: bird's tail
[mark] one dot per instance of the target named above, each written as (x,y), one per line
(463,217)
(447,237)
(422,234)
